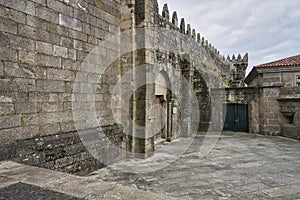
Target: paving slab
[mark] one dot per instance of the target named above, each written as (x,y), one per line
(240,166)
(22,182)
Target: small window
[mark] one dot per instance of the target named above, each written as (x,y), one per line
(298,80)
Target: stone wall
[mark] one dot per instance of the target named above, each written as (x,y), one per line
(62,152)
(51,81)
(244,95)
(161,46)
(270,84)
(289,102)
(183,52)
(277,100)
(249,96)
(43,44)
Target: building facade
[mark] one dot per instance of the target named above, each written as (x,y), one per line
(84,81)
(278,98)
(269,104)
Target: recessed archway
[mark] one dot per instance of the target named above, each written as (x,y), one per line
(162,96)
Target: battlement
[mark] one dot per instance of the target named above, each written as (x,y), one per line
(238,59)
(238,72)
(164,21)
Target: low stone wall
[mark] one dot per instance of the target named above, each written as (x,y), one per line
(289,101)
(62,152)
(290,131)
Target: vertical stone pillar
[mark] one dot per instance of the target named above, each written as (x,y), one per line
(185,123)
(169,123)
(143,14)
(127,25)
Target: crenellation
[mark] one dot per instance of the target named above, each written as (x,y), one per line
(199,38)
(239,70)
(175,19)
(245,58)
(189,30)
(194,34)
(206,43)
(233,58)
(203,41)
(239,58)
(165,12)
(182,26)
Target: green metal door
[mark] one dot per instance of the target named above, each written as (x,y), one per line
(236,117)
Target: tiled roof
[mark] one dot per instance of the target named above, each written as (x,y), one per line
(291,61)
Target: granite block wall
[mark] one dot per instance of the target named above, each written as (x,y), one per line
(42,46)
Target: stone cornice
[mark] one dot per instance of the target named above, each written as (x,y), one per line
(260,70)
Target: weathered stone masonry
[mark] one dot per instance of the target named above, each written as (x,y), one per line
(43,44)
(278,100)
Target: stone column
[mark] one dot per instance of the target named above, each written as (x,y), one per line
(169,123)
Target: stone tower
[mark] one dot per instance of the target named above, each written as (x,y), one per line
(239,71)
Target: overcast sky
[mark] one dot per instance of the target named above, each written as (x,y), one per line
(267,29)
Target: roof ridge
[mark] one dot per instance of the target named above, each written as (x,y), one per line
(290,61)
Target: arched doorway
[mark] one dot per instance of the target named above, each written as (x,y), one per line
(163,125)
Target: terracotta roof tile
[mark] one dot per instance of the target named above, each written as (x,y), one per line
(291,61)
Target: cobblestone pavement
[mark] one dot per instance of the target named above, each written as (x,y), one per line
(240,166)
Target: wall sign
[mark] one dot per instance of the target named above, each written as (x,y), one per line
(174,110)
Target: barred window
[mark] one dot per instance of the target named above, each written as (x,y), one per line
(298,80)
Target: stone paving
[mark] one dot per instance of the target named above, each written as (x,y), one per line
(240,166)
(27,191)
(23,182)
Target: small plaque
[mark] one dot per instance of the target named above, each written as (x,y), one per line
(174,110)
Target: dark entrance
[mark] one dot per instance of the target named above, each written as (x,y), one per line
(160,117)
(236,117)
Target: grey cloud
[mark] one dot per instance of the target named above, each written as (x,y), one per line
(266,29)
